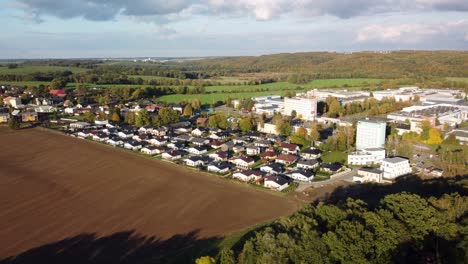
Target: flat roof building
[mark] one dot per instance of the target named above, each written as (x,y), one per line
(370,134)
(305,107)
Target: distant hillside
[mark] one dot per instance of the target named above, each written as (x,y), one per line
(339,65)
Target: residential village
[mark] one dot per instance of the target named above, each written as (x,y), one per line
(260,152)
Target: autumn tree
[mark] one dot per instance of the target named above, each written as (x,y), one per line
(13,123)
(188,111)
(245,124)
(89,117)
(143,118)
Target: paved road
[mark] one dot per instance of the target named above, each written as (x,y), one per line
(347,175)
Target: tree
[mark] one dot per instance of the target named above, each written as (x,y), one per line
(425,126)
(188,111)
(293,114)
(13,123)
(301,132)
(115,117)
(435,136)
(334,107)
(245,124)
(226,256)
(130,117)
(451,140)
(143,118)
(89,117)
(205,260)
(58,83)
(195,103)
(314,132)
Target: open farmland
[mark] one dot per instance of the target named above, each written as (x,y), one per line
(78,201)
(28,69)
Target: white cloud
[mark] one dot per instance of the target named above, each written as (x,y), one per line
(412,33)
(100,10)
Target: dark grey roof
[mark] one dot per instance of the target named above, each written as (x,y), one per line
(394,160)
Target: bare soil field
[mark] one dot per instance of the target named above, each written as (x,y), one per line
(59,193)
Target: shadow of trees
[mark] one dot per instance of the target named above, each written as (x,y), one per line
(121,247)
(372,193)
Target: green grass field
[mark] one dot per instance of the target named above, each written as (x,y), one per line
(458,79)
(210,98)
(28,69)
(149,77)
(335,156)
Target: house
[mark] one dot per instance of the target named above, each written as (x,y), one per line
(219,167)
(219,156)
(368,175)
(182,138)
(152,150)
(238,149)
(311,153)
(176,145)
(247,175)
(132,144)
(172,155)
(254,135)
(274,168)
(302,175)
(80,125)
(178,107)
(218,135)
(307,164)
(268,155)
(29,116)
(288,148)
(243,162)
(227,146)
(114,141)
(215,144)
(197,150)
(157,141)
(394,167)
(196,161)
(263,143)
(126,133)
(13,101)
(158,131)
(276,182)
(199,141)
(331,167)
(241,140)
(198,132)
(252,150)
(4,117)
(286,159)
(101,136)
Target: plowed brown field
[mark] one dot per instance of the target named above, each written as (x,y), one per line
(54,187)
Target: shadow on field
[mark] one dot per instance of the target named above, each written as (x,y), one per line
(121,247)
(372,193)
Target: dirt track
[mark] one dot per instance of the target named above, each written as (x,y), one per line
(54,187)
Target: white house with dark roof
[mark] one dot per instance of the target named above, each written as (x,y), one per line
(366,156)
(302,175)
(243,162)
(276,182)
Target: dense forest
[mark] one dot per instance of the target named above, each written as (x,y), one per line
(411,221)
(339,65)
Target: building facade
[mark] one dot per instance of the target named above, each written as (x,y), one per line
(366,156)
(306,108)
(370,134)
(395,167)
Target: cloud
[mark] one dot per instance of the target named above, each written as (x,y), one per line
(101,10)
(412,33)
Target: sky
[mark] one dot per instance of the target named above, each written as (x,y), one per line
(193,28)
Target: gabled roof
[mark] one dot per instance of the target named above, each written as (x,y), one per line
(277,179)
(289,146)
(287,157)
(310,162)
(245,159)
(268,154)
(332,166)
(275,167)
(312,151)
